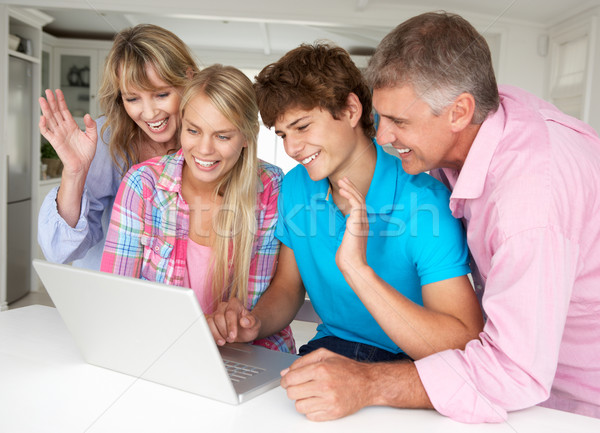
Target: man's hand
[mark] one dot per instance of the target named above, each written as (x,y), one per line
(232,322)
(328,386)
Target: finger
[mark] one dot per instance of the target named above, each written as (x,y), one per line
(248,320)
(44,130)
(316,409)
(322,415)
(89,123)
(91,130)
(348,185)
(62,103)
(231,323)
(305,383)
(351,193)
(306,368)
(215,332)
(51,101)
(220,326)
(313,357)
(46,112)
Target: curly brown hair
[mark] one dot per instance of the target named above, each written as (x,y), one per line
(317,75)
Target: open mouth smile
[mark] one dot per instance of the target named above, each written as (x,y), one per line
(158,126)
(309,159)
(205,164)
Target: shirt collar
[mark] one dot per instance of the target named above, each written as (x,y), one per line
(471,179)
(382,190)
(170,178)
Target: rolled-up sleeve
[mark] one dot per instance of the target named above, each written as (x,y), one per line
(513,364)
(60,242)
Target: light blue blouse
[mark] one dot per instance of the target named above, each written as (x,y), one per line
(84,243)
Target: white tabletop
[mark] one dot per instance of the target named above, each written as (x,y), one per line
(45,386)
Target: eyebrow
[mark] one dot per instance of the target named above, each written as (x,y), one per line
(222,131)
(394,118)
(292,124)
(135,91)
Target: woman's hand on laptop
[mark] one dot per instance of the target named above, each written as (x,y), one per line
(232,322)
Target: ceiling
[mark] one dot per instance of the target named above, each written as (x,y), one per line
(272,27)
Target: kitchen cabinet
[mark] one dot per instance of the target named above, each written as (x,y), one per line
(76,68)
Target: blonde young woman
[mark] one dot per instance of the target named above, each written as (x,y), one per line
(140,94)
(204,217)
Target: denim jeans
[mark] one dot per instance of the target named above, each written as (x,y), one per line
(350,349)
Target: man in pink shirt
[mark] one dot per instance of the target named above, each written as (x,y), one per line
(525,180)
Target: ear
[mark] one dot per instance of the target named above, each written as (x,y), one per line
(461,112)
(354,109)
(189,72)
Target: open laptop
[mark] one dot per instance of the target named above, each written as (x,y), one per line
(156,332)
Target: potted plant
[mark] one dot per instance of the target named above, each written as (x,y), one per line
(50,159)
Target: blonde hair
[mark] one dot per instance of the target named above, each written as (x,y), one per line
(232,94)
(133,50)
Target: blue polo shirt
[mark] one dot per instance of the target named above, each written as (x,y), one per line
(413,240)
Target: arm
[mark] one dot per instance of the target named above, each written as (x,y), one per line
(75,149)
(264,261)
(527,297)
(450,315)
(275,309)
(266,245)
(62,243)
(328,386)
(123,249)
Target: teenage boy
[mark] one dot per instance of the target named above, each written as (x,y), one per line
(381,257)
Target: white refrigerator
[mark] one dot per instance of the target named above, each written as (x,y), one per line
(19,150)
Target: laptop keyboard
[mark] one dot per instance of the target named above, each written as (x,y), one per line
(238,372)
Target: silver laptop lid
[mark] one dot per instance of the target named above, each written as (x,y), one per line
(147,330)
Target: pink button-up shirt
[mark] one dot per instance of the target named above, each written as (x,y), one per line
(529,195)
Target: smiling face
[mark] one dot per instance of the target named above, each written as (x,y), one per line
(211,144)
(325,146)
(156,111)
(423,141)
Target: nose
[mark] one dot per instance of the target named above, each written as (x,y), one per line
(205,145)
(384,133)
(149,110)
(293,146)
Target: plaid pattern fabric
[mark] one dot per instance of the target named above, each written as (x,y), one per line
(149,227)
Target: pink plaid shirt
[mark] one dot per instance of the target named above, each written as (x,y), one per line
(148,233)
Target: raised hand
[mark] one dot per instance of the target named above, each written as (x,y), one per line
(74,147)
(352,253)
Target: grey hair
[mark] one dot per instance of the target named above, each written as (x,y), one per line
(442,56)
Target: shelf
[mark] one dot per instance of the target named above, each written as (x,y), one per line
(20,55)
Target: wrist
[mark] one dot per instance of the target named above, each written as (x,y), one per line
(356,272)
(68,198)
(396,384)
